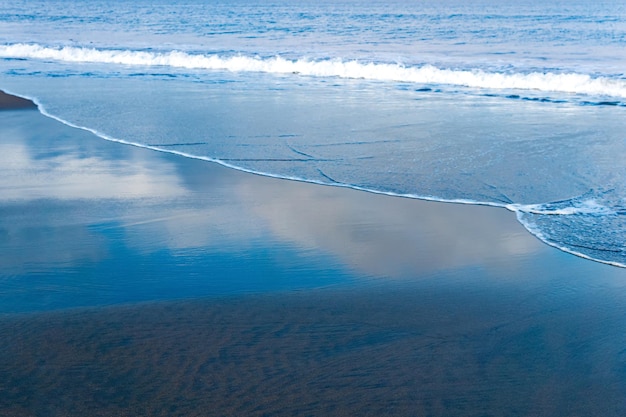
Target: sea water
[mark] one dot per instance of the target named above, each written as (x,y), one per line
(514,104)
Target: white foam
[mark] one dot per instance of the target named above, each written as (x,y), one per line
(584,207)
(538,233)
(427,74)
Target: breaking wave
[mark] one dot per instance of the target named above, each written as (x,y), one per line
(574,83)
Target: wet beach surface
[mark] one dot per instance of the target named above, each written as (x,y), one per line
(134,283)
(407,350)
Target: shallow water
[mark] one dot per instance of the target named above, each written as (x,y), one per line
(517,105)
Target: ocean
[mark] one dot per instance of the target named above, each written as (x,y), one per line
(519,105)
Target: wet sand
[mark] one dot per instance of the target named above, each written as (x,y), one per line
(136,283)
(9,102)
(387,352)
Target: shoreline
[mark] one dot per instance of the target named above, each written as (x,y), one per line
(404,237)
(12,102)
(139,283)
(160,199)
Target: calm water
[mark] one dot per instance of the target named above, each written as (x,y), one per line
(514,104)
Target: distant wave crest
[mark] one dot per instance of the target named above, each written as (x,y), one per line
(575,83)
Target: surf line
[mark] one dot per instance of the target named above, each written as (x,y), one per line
(571,83)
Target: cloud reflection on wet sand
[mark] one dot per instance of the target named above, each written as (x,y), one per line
(159,201)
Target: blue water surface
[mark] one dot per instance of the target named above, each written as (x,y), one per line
(519,105)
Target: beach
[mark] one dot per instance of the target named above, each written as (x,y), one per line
(135,282)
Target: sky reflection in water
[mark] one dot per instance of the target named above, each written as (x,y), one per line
(88,222)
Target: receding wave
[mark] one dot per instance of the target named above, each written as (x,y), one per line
(588,207)
(590,226)
(575,83)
